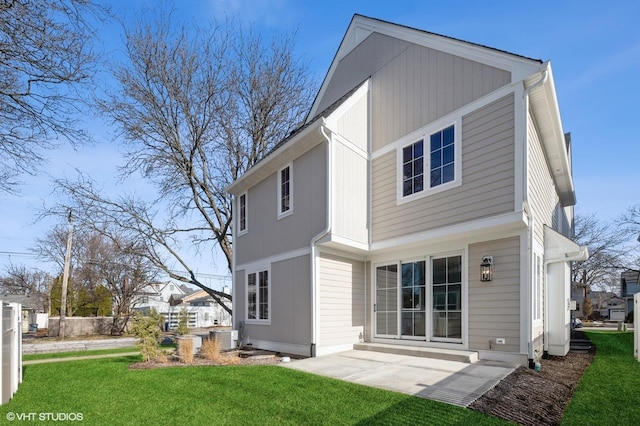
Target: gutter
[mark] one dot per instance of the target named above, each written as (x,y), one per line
(314,241)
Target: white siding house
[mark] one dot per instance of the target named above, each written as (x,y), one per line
(423,157)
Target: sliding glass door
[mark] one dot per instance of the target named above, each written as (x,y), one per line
(446,285)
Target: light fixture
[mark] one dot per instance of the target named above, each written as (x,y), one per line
(486,268)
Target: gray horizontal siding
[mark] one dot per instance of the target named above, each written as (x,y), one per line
(290,303)
(267,236)
(488,179)
(543,197)
(494,307)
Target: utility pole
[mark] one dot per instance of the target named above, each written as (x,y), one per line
(65,281)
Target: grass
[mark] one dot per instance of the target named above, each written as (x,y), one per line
(610,388)
(106,392)
(72,354)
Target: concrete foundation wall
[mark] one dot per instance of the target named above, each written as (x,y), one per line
(81,326)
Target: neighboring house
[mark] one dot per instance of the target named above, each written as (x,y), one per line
(578,294)
(157,296)
(34,309)
(170,299)
(426,201)
(613,309)
(630,285)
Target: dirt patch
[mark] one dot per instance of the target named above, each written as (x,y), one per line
(529,397)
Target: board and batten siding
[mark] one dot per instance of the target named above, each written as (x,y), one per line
(488,179)
(412,85)
(543,197)
(342,301)
(266,235)
(350,171)
(422,85)
(494,307)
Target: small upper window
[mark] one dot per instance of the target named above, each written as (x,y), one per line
(430,164)
(242,213)
(285,193)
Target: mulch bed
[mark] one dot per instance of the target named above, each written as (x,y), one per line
(232,358)
(528,397)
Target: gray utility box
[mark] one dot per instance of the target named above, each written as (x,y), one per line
(227,339)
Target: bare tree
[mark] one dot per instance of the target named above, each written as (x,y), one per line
(46,58)
(196,108)
(100,263)
(19,279)
(606,253)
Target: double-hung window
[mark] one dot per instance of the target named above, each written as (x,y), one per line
(258,296)
(242,213)
(430,163)
(285,191)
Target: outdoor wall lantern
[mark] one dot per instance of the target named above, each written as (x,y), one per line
(486,268)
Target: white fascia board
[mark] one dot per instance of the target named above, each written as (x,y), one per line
(302,142)
(544,104)
(477,230)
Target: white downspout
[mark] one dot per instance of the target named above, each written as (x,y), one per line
(318,237)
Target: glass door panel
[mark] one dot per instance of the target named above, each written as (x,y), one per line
(386,309)
(446,287)
(413,299)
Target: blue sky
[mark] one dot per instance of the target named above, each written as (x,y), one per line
(594,48)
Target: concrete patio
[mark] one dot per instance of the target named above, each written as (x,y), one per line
(451,381)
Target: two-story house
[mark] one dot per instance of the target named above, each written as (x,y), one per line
(629,286)
(426,201)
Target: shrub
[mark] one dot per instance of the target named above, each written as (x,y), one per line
(210,350)
(148,330)
(183,323)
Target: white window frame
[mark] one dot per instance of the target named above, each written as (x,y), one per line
(424,134)
(241,230)
(537,296)
(256,272)
(289,211)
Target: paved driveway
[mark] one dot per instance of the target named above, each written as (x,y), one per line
(452,382)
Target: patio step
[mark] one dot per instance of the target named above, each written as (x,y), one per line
(468,357)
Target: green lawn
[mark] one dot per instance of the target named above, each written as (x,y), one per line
(72,354)
(106,392)
(609,391)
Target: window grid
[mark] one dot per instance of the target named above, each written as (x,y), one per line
(442,165)
(413,168)
(285,190)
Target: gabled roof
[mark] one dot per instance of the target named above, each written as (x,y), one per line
(362,27)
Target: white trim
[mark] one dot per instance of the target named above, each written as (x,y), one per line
(332,119)
(258,321)
(289,211)
(507,223)
(246,213)
(266,261)
(350,145)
